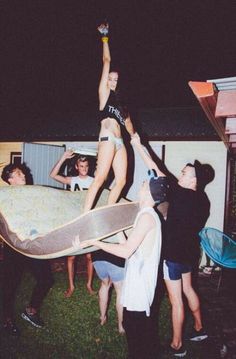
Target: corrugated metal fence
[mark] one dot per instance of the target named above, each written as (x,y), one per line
(40,158)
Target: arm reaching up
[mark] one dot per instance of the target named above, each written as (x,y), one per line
(103,89)
(54,172)
(136,143)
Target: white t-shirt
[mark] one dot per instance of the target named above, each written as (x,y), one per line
(78,184)
(141,270)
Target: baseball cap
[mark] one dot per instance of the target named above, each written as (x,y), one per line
(204,173)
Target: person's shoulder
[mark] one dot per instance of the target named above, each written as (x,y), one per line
(81,179)
(173,183)
(202,197)
(148,216)
(185,196)
(88,179)
(74,178)
(176,190)
(187,191)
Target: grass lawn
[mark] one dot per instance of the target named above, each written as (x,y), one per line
(72,328)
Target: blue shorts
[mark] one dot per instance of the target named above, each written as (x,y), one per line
(106,269)
(174,271)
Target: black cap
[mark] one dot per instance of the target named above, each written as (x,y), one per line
(204,173)
(159,187)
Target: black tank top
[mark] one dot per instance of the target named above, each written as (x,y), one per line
(113,110)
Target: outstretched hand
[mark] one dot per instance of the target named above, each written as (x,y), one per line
(103,29)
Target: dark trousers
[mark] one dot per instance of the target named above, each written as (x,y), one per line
(141,335)
(14,265)
(142,332)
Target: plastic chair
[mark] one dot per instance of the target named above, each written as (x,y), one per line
(220,248)
(222,251)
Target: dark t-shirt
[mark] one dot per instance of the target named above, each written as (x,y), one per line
(187,214)
(113,110)
(101,255)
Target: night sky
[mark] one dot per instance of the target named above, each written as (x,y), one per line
(52,55)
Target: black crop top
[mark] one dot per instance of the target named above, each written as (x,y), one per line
(113,110)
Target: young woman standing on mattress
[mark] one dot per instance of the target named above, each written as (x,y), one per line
(114,118)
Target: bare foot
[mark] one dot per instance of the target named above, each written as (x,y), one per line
(103,320)
(90,290)
(68,293)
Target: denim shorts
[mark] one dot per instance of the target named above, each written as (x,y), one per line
(174,271)
(106,269)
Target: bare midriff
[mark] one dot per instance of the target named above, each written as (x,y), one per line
(110,125)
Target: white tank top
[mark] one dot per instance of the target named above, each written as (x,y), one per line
(142,269)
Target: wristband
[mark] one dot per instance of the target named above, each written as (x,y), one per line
(104,39)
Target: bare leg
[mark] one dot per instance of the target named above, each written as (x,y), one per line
(119,166)
(119,307)
(174,288)
(89,273)
(103,299)
(193,300)
(71,271)
(106,151)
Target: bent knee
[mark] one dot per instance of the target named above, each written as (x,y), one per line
(189,292)
(175,300)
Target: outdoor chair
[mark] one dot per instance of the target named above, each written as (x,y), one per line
(222,251)
(220,248)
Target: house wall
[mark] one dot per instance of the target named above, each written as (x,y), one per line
(177,154)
